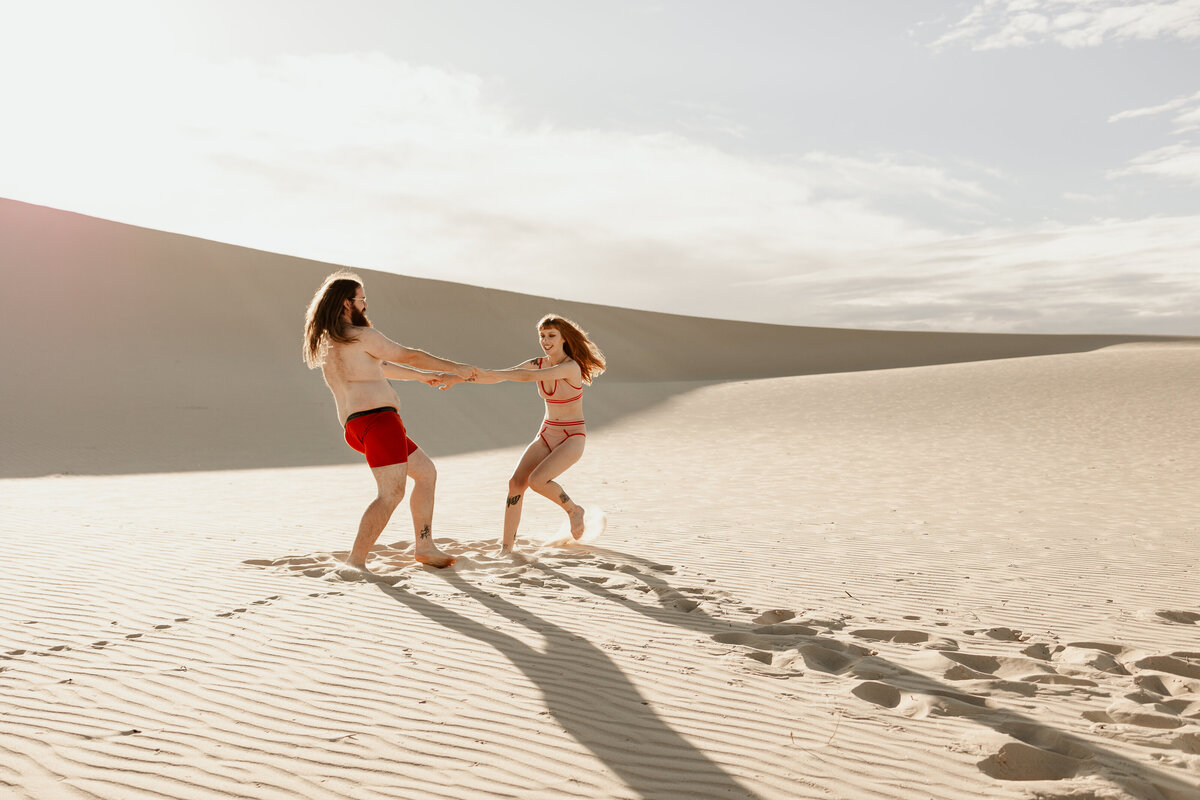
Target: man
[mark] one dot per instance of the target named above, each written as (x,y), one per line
(357,361)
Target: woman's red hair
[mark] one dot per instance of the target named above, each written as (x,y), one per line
(576,345)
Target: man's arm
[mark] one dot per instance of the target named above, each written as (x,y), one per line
(396,372)
(383,348)
(448,379)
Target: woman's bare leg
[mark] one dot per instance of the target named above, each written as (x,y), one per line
(541,480)
(534,454)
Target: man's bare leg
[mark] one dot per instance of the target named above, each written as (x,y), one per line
(390,480)
(424,475)
(553,465)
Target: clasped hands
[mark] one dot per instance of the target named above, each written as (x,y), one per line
(444,380)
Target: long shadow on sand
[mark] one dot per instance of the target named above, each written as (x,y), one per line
(601,708)
(1037,752)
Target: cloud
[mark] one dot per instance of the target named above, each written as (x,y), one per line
(1149,111)
(1187,120)
(1178,162)
(1002,24)
(364,160)
(1110,275)
(889,174)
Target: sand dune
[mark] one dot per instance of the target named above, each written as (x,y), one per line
(969,574)
(149,351)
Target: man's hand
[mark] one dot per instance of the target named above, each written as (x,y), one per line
(444,380)
(467,372)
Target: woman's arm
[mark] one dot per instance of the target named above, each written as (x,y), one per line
(528,372)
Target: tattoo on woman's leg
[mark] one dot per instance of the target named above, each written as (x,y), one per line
(516,498)
(425,532)
(562,496)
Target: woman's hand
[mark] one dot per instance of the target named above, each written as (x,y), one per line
(466,372)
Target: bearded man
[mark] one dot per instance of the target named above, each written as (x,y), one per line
(357,361)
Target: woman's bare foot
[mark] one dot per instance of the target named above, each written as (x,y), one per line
(576,516)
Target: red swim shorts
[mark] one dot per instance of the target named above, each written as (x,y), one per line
(379,435)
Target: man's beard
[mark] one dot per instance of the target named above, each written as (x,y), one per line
(359,319)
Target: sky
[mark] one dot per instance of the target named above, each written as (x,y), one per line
(995,165)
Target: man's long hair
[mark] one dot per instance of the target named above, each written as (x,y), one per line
(324,322)
(576,345)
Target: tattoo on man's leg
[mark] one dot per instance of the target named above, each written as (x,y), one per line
(516,498)
(562,496)
(425,532)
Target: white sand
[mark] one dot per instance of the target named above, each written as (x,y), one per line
(959,580)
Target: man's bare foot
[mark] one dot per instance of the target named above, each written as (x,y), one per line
(576,515)
(351,574)
(433,557)
(357,564)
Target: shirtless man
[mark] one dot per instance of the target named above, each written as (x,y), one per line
(357,361)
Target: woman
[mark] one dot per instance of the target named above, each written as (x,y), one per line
(570,362)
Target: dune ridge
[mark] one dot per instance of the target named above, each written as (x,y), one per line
(200,341)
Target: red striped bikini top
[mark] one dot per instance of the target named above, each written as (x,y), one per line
(548,394)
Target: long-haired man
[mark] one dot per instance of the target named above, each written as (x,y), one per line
(357,361)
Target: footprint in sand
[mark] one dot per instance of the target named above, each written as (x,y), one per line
(922,638)
(1162,712)
(1124,722)
(785,647)
(1042,652)
(670,597)
(1082,658)
(1167,685)
(767,636)
(1181,664)
(919,705)
(1010,672)
(1020,761)
(999,634)
(1181,617)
